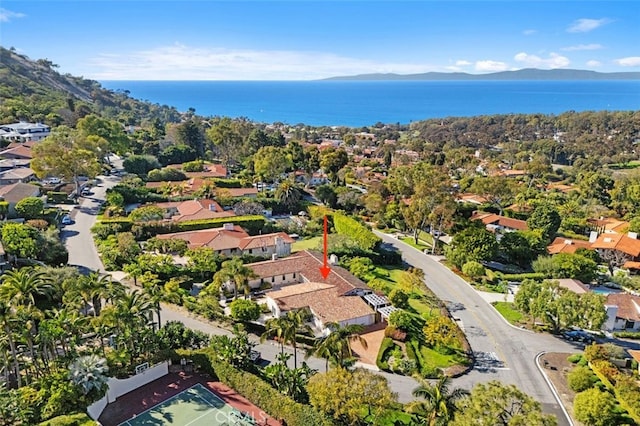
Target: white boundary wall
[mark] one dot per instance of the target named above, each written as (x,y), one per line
(119,387)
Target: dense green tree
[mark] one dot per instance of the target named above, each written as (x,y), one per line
(546,218)
(497,190)
(226,139)
(288,194)
(594,407)
(30,207)
(581,378)
(271,162)
(177,154)
(473,243)
(350,397)
(244,310)
(140,164)
(493,404)
(191,134)
(515,249)
(332,160)
(236,275)
(111,131)
(69,154)
(20,240)
(327,194)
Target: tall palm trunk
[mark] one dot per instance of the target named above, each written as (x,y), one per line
(14,355)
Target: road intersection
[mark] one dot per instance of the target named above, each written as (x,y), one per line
(502,352)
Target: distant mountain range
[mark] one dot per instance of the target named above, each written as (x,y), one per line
(523,74)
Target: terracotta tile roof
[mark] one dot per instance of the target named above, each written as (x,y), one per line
(327,305)
(631,265)
(628,305)
(495,219)
(14,144)
(610,224)
(307,263)
(17,173)
(227,239)
(210,171)
(471,198)
(17,191)
(509,173)
(619,242)
(565,245)
(295,289)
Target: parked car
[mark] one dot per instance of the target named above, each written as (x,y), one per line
(66,220)
(579,336)
(85,191)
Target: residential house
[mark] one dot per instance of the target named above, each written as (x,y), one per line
(14,164)
(198,209)
(16,192)
(623,312)
(232,240)
(193,185)
(499,224)
(20,152)
(296,283)
(24,131)
(567,245)
(20,174)
(620,249)
(209,171)
(609,225)
(573,285)
(471,198)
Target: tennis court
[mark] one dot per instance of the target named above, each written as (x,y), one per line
(196,406)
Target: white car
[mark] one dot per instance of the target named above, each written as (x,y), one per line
(66,220)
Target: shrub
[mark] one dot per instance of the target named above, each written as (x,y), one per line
(399,298)
(244,310)
(80,419)
(386,347)
(575,358)
(581,379)
(473,269)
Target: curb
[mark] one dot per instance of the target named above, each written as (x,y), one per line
(553,389)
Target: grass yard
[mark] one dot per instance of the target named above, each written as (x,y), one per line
(411,242)
(434,359)
(509,312)
(306,244)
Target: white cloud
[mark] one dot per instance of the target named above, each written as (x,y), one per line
(585,25)
(592,46)
(491,66)
(593,63)
(529,32)
(462,63)
(553,61)
(7,15)
(631,61)
(180,62)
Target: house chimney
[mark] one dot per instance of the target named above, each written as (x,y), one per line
(633,235)
(593,236)
(274,257)
(228,227)
(212,207)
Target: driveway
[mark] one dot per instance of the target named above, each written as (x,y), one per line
(502,352)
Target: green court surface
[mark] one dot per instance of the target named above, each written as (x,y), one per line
(196,406)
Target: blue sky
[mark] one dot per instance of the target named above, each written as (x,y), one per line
(305,40)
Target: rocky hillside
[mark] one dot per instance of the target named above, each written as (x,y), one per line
(33,90)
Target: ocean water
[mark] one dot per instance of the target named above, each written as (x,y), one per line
(365,103)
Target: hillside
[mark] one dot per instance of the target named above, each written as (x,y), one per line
(33,90)
(523,74)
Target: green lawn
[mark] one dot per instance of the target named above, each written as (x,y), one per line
(509,312)
(306,244)
(411,242)
(434,359)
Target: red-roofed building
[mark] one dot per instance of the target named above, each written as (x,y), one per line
(296,283)
(232,240)
(179,211)
(618,248)
(566,245)
(623,312)
(499,224)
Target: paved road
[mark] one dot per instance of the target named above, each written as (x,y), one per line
(502,352)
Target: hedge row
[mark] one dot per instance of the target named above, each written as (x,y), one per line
(253,224)
(521,277)
(355,230)
(387,345)
(257,391)
(80,419)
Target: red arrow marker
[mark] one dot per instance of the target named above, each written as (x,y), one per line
(325,269)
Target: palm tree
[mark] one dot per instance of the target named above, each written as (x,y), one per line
(274,327)
(6,320)
(21,286)
(336,347)
(288,194)
(131,315)
(155,294)
(235,273)
(293,323)
(439,402)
